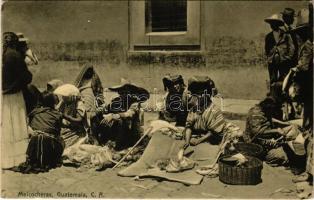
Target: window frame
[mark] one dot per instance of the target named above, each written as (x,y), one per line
(139,38)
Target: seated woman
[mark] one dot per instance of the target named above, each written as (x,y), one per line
(121,122)
(261,129)
(175,109)
(204,119)
(89,84)
(73,110)
(46,146)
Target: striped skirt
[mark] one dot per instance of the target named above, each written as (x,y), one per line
(14,136)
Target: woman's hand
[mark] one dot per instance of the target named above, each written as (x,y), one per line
(107,119)
(194,141)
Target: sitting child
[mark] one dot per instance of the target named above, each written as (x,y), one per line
(46,146)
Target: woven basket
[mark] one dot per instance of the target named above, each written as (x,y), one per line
(241,175)
(248,149)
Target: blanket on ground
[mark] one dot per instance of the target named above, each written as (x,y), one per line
(162,147)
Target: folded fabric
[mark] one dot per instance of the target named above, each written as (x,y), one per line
(297,145)
(291,132)
(90,156)
(176,165)
(237,159)
(67,90)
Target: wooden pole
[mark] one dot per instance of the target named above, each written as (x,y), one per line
(128,153)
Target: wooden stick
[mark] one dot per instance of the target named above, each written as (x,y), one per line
(128,153)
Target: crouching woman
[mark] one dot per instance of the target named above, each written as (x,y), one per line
(205,119)
(263,129)
(46,146)
(122,122)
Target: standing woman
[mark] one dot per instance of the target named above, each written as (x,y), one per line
(15,77)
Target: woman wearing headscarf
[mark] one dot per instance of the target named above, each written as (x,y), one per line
(73,110)
(122,121)
(89,84)
(15,77)
(205,119)
(46,146)
(262,128)
(175,100)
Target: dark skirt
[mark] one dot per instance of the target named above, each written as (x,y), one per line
(121,132)
(43,153)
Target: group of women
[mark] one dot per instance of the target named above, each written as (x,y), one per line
(38,126)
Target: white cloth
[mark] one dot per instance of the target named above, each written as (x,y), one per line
(14,136)
(67,90)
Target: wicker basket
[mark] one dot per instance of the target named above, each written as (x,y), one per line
(241,175)
(248,149)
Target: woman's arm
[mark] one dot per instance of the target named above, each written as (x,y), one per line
(187,137)
(280,122)
(275,130)
(72,119)
(195,141)
(127,115)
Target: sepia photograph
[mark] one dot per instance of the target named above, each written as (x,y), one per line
(157,99)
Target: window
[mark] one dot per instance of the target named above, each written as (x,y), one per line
(179,29)
(166,15)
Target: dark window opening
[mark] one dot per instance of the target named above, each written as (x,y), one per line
(166,15)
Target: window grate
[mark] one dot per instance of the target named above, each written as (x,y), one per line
(166,16)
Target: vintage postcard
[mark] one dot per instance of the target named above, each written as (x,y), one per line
(157,99)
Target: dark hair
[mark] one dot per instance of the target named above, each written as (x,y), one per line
(10,39)
(49,99)
(268,104)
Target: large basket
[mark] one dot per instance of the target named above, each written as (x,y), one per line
(248,149)
(241,175)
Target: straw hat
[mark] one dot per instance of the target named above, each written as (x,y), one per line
(130,88)
(275,18)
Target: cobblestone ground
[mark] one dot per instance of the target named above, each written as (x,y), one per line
(70,182)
